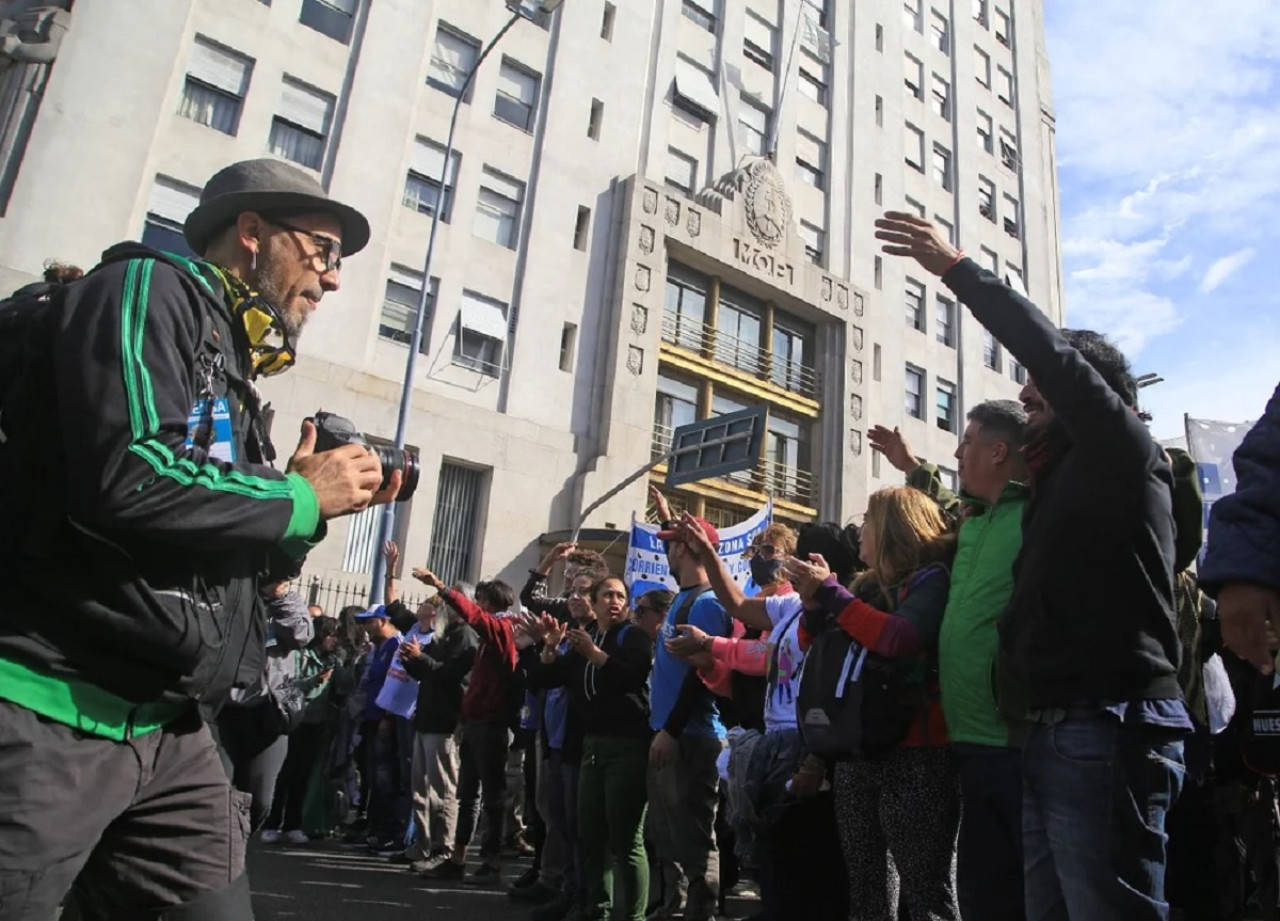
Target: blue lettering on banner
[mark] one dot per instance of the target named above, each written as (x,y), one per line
(646,567)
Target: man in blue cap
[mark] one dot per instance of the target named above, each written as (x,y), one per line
(378,730)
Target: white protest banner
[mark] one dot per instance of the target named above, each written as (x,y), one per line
(647,556)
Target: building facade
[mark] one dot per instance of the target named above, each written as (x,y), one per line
(656,211)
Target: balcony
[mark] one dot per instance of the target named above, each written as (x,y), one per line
(772,372)
(788,485)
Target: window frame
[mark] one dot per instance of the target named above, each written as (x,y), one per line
(499,196)
(921,377)
(499,97)
(914,296)
(444,28)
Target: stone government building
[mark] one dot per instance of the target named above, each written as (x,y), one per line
(657,211)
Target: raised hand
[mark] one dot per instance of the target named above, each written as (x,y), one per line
(906,234)
(660,502)
(892,444)
(427,577)
(696,539)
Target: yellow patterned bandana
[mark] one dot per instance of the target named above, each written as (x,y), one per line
(270,349)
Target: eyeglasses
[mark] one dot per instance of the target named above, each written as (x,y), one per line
(330,248)
(764,551)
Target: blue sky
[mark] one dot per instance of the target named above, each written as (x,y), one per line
(1168,121)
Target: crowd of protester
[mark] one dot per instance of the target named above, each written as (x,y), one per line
(1011,701)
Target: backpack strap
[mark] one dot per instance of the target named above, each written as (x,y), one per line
(690,599)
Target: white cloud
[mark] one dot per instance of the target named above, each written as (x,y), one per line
(1225,267)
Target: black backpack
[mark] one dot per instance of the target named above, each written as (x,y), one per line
(854,703)
(22,326)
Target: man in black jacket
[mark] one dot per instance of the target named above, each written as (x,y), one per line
(1088,650)
(138,515)
(441,667)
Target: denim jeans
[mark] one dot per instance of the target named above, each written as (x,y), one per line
(989,851)
(1095,796)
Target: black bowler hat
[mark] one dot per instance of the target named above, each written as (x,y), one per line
(267,186)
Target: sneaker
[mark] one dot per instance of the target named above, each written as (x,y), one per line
(526,879)
(269,836)
(297,836)
(518,846)
(432,860)
(487,875)
(400,857)
(446,870)
(385,848)
(537,894)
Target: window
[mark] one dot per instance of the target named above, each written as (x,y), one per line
(915,147)
(875,464)
(990,351)
(676,404)
(940,31)
(879,37)
(980,12)
(878,272)
(818,10)
(698,13)
(987,198)
(876,357)
(1003,30)
(949,479)
(738,326)
(594,120)
(946,406)
(814,77)
(1004,86)
(400,307)
(333,18)
(1017,372)
(814,241)
(482,334)
(568,345)
(217,80)
(1012,222)
(582,228)
(753,124)
(786,455)
(941,101)
(682,171)
(879,111)
(684,307)
(301,126)
(452,60)
(915,392)
(1014,278)
(757,41)
(947,228)
(914,76)
(985,131)
(454,529)
(914,300)
(789,371)
(879,189)
(915,206)
(987,259)
(1009,150)
(517,98)
(811,160)
(606,22)
(911,15)
(167,209)
(498,209)
(944,321)
(982,66)
(422,189)
(942,166)
(694,91)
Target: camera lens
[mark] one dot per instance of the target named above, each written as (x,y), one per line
(404,460)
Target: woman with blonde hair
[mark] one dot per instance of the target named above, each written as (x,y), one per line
(898,800)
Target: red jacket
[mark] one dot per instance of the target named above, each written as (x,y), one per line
(487,695)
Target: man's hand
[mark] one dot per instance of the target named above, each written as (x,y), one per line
(907,235)
(660,501)
(410,648)
(391,553)
(690,641)
(345,479)
(807,577)
(893,446)
(555,555)
(663,749)
(427,577)
(806,784)
(690,531)
(1245,611)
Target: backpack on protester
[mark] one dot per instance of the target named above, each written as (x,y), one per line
(854,703)
(1260,735)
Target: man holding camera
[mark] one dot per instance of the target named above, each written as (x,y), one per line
(138,515)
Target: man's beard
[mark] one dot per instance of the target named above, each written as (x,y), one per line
(264,281)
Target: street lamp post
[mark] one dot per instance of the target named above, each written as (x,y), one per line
(520,9)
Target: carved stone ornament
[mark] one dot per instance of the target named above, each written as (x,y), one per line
(855,408)
(826,288)
(642,277)
(856,372)
(857,338)
(649,201)
(672,213)
(635,359)
(694,223)
(842,297)
(855,441)
(767,205)
(639,319)
(646,240)
(859,305)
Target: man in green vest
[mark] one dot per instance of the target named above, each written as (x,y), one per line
(989,512)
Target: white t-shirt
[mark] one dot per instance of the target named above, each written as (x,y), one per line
(786,661)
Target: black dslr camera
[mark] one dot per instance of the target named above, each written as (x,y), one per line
(333,431)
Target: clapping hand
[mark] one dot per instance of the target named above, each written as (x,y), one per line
(807,576)
(690,641)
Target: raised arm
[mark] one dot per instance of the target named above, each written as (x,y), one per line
(751,611)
